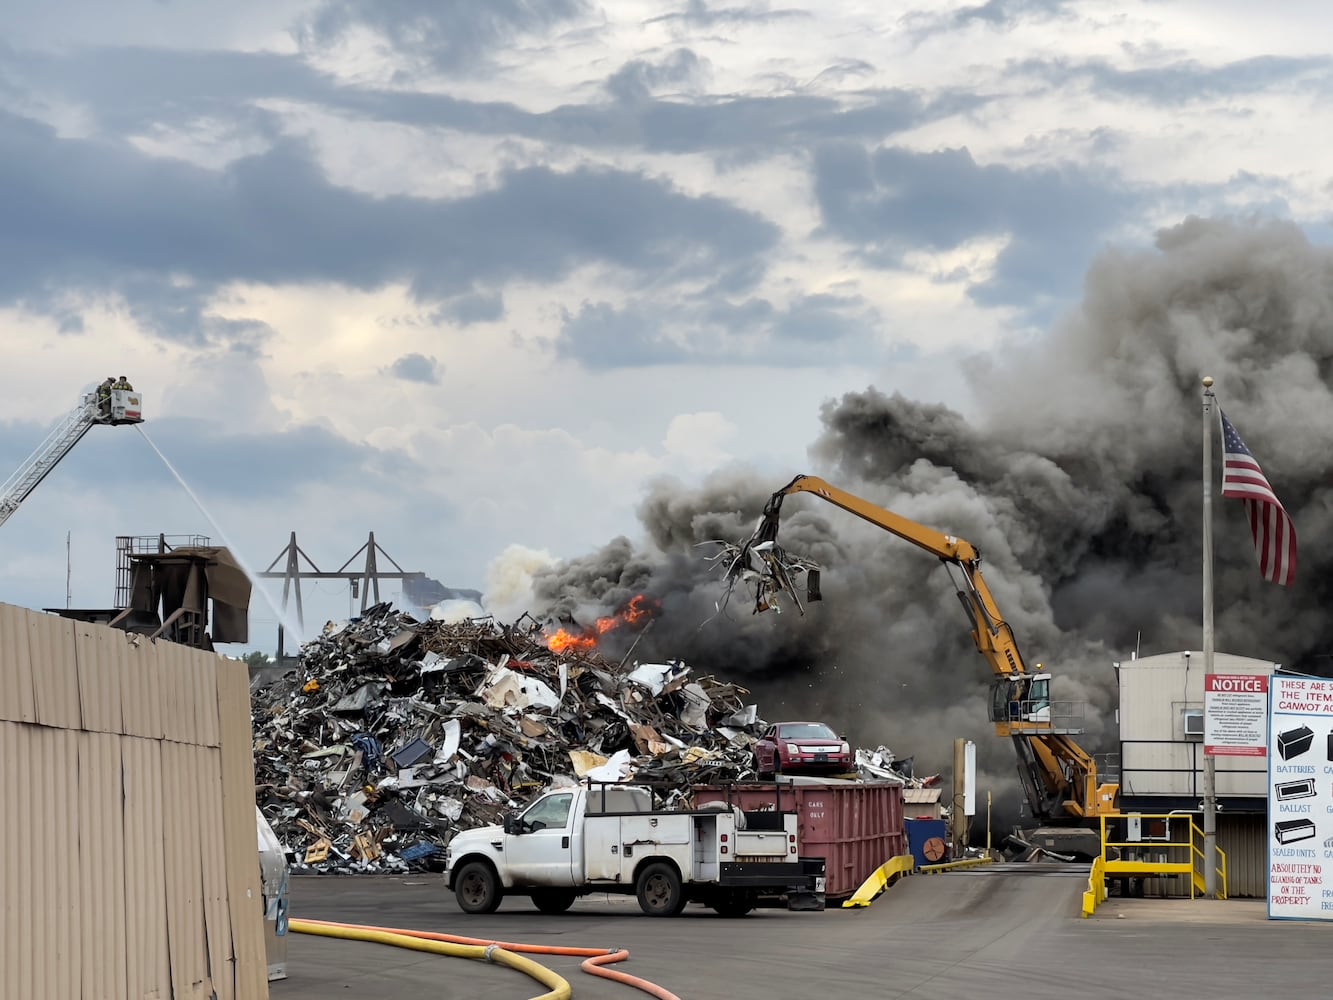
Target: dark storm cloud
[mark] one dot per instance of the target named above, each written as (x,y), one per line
(416,368)
(132,90)
(638,78)
(815,329)
(701,14)
(103,215)
(479,307)
(1002,13)
(891,200)
(1183,81)
(451,35)
(768,124)
(997,16)
(180,310)
(844,69)
(600,336)
(1080,484)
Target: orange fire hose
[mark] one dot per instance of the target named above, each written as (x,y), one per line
(594,958)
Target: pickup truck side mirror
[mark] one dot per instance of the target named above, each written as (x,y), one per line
(510,825)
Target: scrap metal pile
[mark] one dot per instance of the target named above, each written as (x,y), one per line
(393,733)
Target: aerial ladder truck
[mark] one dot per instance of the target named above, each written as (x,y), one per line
(107,405)
(1060,779)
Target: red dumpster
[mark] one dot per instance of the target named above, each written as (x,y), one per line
(855,826)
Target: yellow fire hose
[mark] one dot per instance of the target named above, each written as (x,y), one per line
(558,988)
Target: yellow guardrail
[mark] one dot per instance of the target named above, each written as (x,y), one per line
(897,867)
(1194,862)
(879,880)
(1096,892)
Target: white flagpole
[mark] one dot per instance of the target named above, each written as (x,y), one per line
(1209,770)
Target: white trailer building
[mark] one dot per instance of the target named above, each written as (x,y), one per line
(1161,724)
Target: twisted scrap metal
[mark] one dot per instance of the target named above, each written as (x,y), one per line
(764,566)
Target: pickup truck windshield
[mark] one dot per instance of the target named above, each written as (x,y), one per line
(551,813)
(807,731)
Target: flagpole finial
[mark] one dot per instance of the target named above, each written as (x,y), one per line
(1207,381)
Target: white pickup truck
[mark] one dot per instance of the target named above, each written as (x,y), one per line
(574,841)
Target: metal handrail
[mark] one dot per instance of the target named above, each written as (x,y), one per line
(1062,715)
(1197,872)
(1108,766)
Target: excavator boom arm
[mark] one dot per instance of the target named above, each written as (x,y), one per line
(991,633)
(936,542)
(1059,776)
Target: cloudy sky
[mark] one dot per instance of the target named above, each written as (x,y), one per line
(471,274)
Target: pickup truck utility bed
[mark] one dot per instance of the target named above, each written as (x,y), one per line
(574,841)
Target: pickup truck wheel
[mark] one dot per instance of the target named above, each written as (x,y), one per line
(552,900)
(477,888)
(660,892)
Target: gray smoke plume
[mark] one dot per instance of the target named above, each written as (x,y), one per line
(1080,484)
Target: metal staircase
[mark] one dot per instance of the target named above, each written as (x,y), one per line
(1152,845)
(39,464)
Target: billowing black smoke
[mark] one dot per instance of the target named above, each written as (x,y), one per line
(1081,485)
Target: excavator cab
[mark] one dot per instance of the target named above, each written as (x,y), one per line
(1022,703)
(1022,698)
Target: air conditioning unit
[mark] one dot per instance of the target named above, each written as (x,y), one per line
(1193,718)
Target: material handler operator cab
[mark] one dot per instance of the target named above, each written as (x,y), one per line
(1022,698)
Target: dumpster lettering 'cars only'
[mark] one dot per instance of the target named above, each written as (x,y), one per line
(801,747)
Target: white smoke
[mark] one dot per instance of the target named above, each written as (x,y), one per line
(456,610)
(509,581)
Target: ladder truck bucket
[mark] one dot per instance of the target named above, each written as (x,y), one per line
(126,407)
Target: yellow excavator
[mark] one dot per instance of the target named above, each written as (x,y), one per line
(1060,779)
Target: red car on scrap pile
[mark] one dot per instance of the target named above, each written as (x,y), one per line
(802,747)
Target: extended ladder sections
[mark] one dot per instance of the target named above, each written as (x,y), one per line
(123,407)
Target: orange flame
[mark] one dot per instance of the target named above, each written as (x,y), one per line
(565,641)
(636,613)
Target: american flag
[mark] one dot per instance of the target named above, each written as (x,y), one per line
(1274,534)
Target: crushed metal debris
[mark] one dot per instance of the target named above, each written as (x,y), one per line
(392,734)
(764,567)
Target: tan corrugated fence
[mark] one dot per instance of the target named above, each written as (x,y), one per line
(129,863)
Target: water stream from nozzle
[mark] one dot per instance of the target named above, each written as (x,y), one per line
(289,624)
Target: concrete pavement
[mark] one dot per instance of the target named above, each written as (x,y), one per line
(997,935)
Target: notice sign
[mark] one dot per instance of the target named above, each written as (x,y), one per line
(1300,799)
(1235,715)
